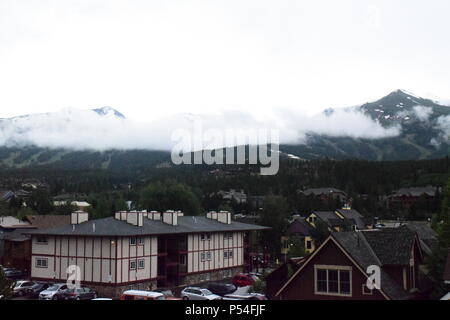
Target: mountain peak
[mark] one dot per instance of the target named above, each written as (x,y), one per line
(108,110)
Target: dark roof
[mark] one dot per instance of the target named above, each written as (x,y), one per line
(352,218)
(360,221)
(447,268)
(16,235)
(362,252)
(48,221)
(392,246)
(325,215)
(416,192)
(423,229)
(300,226)
(427,236)
(338,222)
(6,195)
(349,213)
(321,191)
(113,227)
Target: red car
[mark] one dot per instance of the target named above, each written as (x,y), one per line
(242,280)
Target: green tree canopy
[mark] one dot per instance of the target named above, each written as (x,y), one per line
(170,195)
(274,215)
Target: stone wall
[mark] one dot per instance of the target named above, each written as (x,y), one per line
(112,291)
(217,275)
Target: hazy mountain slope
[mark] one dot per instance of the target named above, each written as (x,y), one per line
(422,136)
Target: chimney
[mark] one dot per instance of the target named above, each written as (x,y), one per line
(93,227)
(78,217)
(154,215)
(224,217)
(121,215)
(135,218)
(211,215)
(170,217)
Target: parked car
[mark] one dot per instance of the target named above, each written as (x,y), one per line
(195,293)
(35,290)
(141,295)
(96,299)
(168,294)
(54,292)
(242,280)
(221,289)
(248,296)
(14,274)
(21,287)
(82,293)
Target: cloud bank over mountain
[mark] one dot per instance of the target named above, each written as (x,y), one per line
(104,129)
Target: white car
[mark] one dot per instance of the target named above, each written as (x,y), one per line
(53,292)
(195,293)
(21,287)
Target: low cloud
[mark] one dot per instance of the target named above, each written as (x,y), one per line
(422,113)
(86,129)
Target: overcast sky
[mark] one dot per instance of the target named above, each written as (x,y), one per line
(150,59)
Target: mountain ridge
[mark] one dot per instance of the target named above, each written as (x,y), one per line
(423,135)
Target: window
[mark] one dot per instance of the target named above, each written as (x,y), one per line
(141,264)
(344,281)
(133,265)
(308,244)
(333,280)
(41,240)
(133,241)
(140,241)
(205,236)
(228,254)
(183,259)
(205,256)
(41,263)
(228,235)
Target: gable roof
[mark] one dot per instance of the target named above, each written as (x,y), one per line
(365,248)
(427,236)
(392,246)
(300,226)
(357,246)
(415,192)
(111,226)
(48,221)
(325,215)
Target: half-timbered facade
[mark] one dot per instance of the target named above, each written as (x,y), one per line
(141,250)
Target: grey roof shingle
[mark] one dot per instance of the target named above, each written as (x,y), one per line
(427,236)
(325,215)
(416,191)
(357,246)
(392,246)
(113,227)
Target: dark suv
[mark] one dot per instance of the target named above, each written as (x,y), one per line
(221,289)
